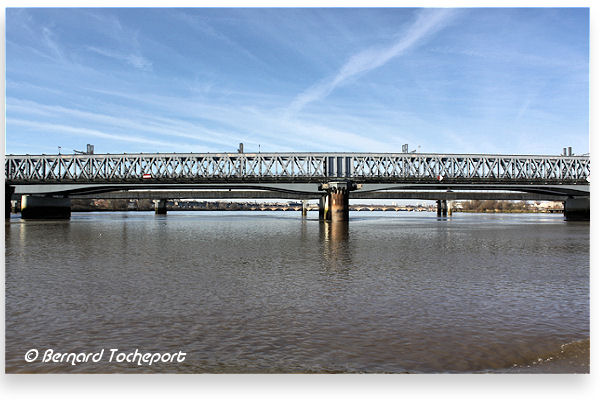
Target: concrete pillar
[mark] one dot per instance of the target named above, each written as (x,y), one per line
(442,208)
(577,209)
(324,209)
(335,204)
(8,192)
(339,204)
(38,207)
(160,206)
(304,207)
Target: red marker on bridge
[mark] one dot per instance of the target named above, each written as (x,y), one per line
(439,178)
(146,176)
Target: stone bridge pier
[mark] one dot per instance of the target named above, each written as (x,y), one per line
(45,207)
(304,208)
(334,205)
(577,209)
(442,208)
(160,207)
(324,212)
(8,192)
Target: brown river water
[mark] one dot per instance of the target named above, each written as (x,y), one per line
(271,292)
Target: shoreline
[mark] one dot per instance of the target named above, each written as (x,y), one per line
(572,358)
(292,210)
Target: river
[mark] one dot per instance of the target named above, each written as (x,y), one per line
(266,292)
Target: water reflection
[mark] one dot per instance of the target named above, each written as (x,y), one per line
(303,230)
(337,254)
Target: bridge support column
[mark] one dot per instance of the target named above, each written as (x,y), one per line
(338,194)
(339,204)
(15,206)
(577,209)
(304,207)
(324,208)
(37,207)
(8,192)
(442,208)
(160,207)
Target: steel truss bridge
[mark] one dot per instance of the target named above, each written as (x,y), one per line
(299,173)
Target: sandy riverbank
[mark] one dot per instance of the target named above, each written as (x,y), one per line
(571,358)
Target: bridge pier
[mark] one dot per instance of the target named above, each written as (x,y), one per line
(336,206)
(324,210)
(339,204)
(577,209)
(160,207)
(8,192)
(15,206)
(38,207)
(442,208)
(304,207)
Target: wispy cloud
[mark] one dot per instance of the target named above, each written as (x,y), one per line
(200,25)
(49,39)
(133,59)
(460,88)
(86,132)
(143,123)
(513,57)
(105,24)
(427,23)
(262,125)
(123,38)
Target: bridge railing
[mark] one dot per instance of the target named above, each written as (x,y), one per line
(308,167)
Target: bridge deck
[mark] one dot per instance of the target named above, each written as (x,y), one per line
(265,194)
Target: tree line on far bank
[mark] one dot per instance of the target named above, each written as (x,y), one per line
(496,206)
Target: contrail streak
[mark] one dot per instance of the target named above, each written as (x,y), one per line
(428,22)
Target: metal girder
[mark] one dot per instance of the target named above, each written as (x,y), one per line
(428,195)
(257,194)
(198,194)
(295,168)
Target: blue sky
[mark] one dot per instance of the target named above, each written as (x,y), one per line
(508,81)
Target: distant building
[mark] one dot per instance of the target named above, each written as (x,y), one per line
(548,205)
(457,205)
